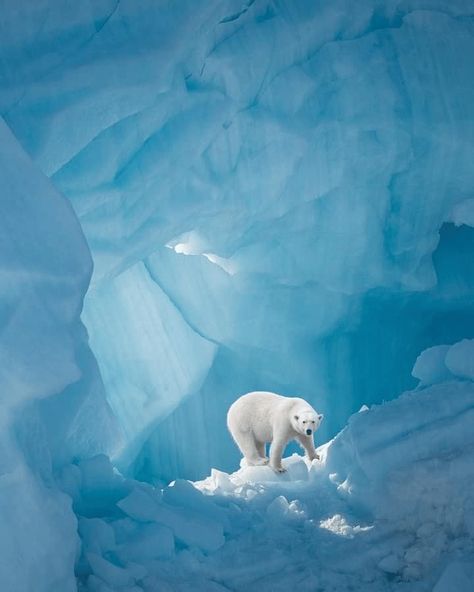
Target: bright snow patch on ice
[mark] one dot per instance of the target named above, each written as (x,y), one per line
(338,525)
(195,245)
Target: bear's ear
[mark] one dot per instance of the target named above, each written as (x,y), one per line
(296,417)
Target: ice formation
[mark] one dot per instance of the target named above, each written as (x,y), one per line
(212,153)
(53,403)
(275,195)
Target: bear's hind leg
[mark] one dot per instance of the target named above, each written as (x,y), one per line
(261,451)
(246,442)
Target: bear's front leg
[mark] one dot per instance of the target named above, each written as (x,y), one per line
(308,445)
(276,452)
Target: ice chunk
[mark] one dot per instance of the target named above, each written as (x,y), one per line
(147,542)
(112,575)
(101,487)
(182,494)
(140,505)
(97,536)
(261,474)
(187,524)
(191,529)
(460,359)
(278,508)
(296,467)
(430,366)
(221,481)
(463,213)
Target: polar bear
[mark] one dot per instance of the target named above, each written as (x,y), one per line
(260,417)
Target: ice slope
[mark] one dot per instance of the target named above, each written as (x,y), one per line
(53,406)
(298,158)
(389,508)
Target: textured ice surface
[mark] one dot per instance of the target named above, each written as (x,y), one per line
(303,155)
(276,195)
(49,381)
(148,360)
(445,362)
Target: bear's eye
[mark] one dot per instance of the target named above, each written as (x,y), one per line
(304,421)
(312,421)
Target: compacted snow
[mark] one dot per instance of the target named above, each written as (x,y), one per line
(390,506)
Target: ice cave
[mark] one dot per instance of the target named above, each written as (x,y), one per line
(203,198)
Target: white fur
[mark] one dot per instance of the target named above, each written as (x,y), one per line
(260,417)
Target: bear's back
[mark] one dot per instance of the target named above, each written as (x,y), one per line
(256,409)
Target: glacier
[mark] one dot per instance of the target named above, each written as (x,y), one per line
(205,198)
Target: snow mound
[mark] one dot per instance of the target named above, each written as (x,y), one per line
(389,506)
(445,362)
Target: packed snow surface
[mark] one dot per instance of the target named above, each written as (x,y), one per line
(390,506)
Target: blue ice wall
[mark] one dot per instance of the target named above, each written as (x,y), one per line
(269,192)
(53,407)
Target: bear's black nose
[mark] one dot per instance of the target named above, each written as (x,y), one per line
(308,432)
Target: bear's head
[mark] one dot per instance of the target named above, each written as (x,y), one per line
(306,422)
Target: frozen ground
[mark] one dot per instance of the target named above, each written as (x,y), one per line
(390,506)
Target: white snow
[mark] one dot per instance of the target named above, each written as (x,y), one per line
(388,508)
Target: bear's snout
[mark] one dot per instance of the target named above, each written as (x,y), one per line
(309,432)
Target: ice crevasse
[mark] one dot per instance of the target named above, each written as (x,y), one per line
(274,195)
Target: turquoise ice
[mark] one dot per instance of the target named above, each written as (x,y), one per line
(203,198)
